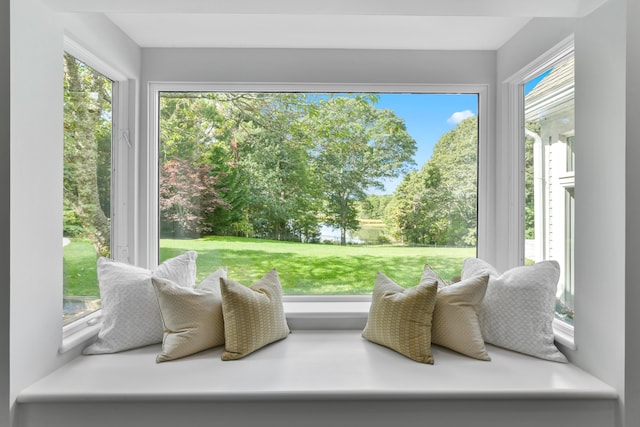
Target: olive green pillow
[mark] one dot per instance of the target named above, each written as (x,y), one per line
(400,318)
(191,317)
(253,316)
(455,319)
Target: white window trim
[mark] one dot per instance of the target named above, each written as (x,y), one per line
(155,88)
(564,332)
(123,146)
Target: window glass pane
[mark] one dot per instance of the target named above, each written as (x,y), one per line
(549,175)
(87,184)
(327,188)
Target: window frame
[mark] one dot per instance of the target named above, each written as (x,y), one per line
(329,301)
(122,143)
(564,332)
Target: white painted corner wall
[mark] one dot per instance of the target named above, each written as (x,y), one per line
(632,230)
(5,265)
(36,170)
(35,267)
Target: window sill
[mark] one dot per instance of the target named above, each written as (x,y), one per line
(327,315)
(336,375)
(80,332)
(564,334)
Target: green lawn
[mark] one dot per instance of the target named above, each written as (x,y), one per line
(317,268)
(303,268)
(79,267)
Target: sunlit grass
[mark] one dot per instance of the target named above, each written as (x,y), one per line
(79,267)
(320,269)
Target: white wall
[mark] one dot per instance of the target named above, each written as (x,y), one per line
(600,193)
(632,339)
(36,170)
(4,211)
(600,41)
(36,177)
(325,66)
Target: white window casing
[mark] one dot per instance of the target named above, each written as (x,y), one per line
(123,180)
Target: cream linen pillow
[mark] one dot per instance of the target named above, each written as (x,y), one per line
(401,318)
(130,312)
(518,309)
(191,317)
(455,318)
(253,316)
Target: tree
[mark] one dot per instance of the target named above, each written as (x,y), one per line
(195,131)
(187,196)
(275,158)
(87,169)
(374,206)
(437,205)
(355,147)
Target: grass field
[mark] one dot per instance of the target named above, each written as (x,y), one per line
(304,269)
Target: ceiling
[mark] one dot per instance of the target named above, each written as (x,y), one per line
(345,24)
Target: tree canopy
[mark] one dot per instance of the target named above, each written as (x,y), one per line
(294,161)
(438,204)
(274,165)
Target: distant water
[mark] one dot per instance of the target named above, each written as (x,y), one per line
(333,234)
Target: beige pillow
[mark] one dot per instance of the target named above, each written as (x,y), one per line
(401,318)
(253,316)
(191,317)
(455,318)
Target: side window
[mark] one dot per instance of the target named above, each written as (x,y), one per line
(87,184)
(550,143)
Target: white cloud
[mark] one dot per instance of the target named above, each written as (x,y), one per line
(459,116)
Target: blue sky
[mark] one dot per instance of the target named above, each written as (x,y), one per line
(427,117)
(528,86)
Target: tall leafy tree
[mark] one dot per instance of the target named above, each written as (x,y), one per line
(438,204)
(356,146)
(195,132)
(274,157)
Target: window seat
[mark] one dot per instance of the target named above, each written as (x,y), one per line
(316,378)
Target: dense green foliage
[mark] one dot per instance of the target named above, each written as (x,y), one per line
(87,154)
(529,207)
(438,204)
(279,165)
(267,168)
(274,165)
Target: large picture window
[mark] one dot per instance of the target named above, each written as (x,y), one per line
(87,184)
(328,188)
(550,143)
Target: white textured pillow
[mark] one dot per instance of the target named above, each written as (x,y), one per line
(191,317)
(130,312)
(518,308)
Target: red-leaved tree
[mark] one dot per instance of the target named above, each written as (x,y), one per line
(187,195)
